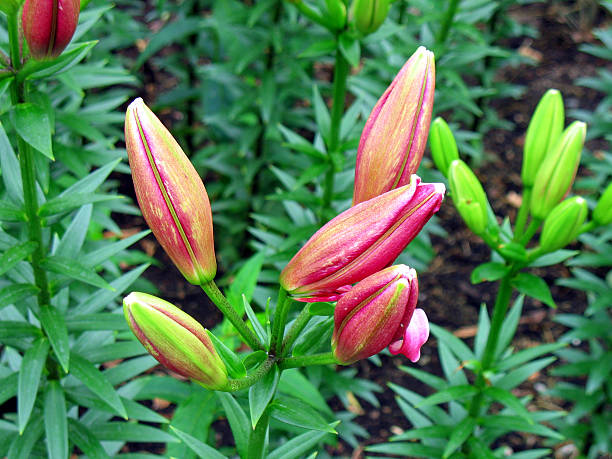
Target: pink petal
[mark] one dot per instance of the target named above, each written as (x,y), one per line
(415,336)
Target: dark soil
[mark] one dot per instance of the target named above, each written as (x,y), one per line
(446,293)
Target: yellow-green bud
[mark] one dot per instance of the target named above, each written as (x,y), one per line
(336,11)
(602,215)
(469,196)
(368,15)
(558,170)
(443,145)
(543,132)
(563,224)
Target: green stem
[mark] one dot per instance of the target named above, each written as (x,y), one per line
(533,226)
(499,313)
(280,319)
(213,292)
(28,175)
(248,381)
(298,325)
(589,226)
(257,438)
(307,360)
(341,71)
(523,212)
(447,22)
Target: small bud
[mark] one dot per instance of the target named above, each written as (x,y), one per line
(171,194)
(563,224)
(443,145)
(369,15)
(376,313)
(469,196)
(542,135)
(360,241)
(558,170)
(394,137)
(175,339)
(48,25)
(602,215)
(336,12)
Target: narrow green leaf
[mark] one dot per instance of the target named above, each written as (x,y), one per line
(126,431)
(171,33)
(15,254)
(507,423)
(511,401)
(235,367)
(75,270)
(66,203)
(294,383)
(460,434)
(515,377)
(8,387)
(295,412)
(452,393)
(406,449)
(9,165)
(526,355)
(201,449)
(553,258)
(426,377)
(245,281)
(102,254)
(72,240)
(56,426)
(457,347)
(350,49)
(321,114)
(298,446)
(89,375)
(32,124)
(261,393)
(91,322)
(18,329)
(52,322)
(34,69)
(257,327)
(194,416)
(90,183)
(14,293)
(319,48)
(24,443)
(85,440)
(535,287)
(29,380)
(9,212)
(482,334)
(488,272)
(509,326)
(238,421)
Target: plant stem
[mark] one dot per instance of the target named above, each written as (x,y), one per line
(28,175)
(300,322)
(213,292)
(589,226)
(248,381)
(280,318)
(530,231)
(523,212)
(257,438)
(307,360)
(341,71)
(447,22)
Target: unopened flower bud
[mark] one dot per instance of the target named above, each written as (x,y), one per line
(558,170)
(171,194)
(394,137)
(48,25)
(336,12)
(360,241)
(175,339)
(443,145)
(543,132)
(369,15)
(563,224)
(376,313)
(469,196)
(602,215)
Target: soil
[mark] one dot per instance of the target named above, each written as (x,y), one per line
(446,294)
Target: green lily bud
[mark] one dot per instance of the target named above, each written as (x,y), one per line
(443,145)
(175,339)
(558,170)
(336,11)
(563,224)
(368,15)
(602,215)
(543,132)
(468,195)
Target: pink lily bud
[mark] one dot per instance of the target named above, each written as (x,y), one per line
(360,241)
(48,25)
(394,137)
(175,339)
(170,194)
(377,313)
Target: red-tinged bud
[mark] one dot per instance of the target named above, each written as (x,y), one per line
(376,313)
(48,25)
(394,137)
(360,241)
(171,194)
(175,339)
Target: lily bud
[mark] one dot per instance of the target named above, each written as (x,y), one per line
(376,313)
(558,170)
(394,137)
(369,15)
(443,145)
(563,224)
(543,133)
(48,25)
(336,11)
(469,196)
(602,215)
(360,241)
(170,194)
(175,339)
